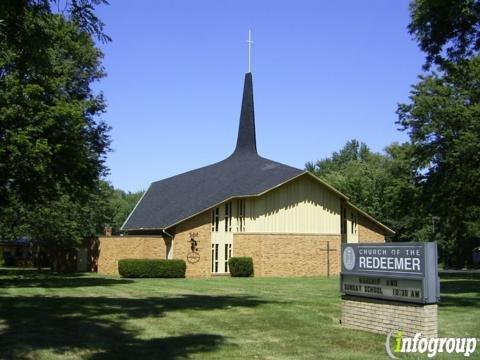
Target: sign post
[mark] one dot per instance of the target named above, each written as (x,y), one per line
(391,286)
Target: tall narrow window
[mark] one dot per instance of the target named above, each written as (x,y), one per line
(228,255)
(241,215)
(215,219)
(214,258)
(228,216)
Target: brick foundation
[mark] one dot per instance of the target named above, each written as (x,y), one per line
(382,316)
(289,254)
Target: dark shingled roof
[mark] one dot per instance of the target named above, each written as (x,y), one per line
(244,173)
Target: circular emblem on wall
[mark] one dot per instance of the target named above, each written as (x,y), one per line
(349,258)
(193,257)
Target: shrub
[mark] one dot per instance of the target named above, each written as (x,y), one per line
(151,268)
(241,266)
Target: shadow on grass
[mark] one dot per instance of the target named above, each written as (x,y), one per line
(25,278)
(95,326)
(458,301)
(457,292)
(458,286)
(459,275)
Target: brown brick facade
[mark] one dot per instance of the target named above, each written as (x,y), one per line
(274,254)
(369,232)
(114,248)
(380,316)
(289,254)
(199,228)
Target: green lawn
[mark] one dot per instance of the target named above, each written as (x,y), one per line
(44,316)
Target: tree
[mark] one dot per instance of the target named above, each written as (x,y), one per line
(442,120)
(382,184)
(402,202)
(122,204)
(51,139)
(446,30)
(60,226)
(357,172)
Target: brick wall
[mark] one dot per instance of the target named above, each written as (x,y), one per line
(113,248)
(381,316)
(369,232)
(273,254)
(289,254)
(199,227)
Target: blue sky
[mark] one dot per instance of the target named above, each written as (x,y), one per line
(324,72)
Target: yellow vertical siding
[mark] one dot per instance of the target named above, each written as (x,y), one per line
(301,206)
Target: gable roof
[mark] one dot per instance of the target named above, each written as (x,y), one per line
(244,173)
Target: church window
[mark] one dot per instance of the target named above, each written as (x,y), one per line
(228,255)
(241,215)
(215,258)
(215,219)
(228,216)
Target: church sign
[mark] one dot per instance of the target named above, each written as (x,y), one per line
(404,272)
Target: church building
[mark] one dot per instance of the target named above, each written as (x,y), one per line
(289,221)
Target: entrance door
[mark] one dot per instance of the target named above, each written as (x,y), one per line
(222,238)
(221,253)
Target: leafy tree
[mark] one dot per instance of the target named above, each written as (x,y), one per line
(382,184)
(60,226)
(442,120)
(51,139)
(402,203)
(357,172)
(446,30)
(120,204)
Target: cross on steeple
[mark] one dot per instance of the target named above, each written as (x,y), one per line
(249,42)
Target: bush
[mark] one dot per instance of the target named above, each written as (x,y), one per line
(241,266)
(151,268)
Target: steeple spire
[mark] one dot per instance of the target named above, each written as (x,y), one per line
(246,140)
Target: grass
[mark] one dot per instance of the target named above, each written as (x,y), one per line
(46,316)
